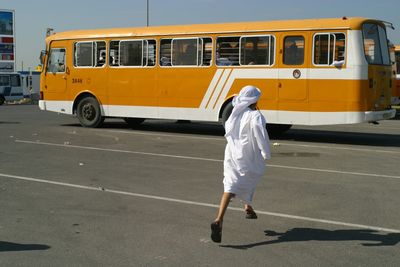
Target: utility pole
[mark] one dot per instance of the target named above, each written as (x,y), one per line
(147,13)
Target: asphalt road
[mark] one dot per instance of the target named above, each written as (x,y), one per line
(116,196)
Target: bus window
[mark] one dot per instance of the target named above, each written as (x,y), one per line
(56,60)
(207,51)
(397,57)
(184,52)
(15,80)
(188,52)
(293,53)
(375,44)
(257,50)
(329,47)
(150,53)
(114,53)
(89,54)
(131,53)
(227,51)
(165,52)
(4,80)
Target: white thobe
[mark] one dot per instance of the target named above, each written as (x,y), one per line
(247,148)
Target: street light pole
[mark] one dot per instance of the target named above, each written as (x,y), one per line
(147,16)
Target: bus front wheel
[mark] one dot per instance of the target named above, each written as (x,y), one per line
(88,112)
(2,100)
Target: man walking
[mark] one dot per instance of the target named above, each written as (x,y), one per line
(245,152)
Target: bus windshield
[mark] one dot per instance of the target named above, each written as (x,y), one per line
(397,58)
(4,80)
(375,44)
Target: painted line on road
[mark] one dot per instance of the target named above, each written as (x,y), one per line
(195,203)
(204,159)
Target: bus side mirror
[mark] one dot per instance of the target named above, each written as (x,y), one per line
(42,57)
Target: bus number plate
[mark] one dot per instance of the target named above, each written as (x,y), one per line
(76,80)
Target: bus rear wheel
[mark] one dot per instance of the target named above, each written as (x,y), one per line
(2,100)
(226,113)
(88,113)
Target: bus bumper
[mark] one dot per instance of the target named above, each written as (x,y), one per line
(42,104)
(371,116)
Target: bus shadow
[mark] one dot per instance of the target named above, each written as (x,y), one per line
(340,137)
(300,135)
(10,246)
(10,122)
(368,238)
(166,126)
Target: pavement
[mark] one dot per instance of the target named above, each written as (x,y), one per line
(117,196)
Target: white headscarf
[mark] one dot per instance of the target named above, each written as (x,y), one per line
(247,96)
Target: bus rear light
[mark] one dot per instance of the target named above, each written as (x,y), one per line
(41,96)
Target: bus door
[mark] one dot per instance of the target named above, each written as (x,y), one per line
(56,73)
(293,72)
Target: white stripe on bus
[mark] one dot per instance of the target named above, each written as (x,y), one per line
(218,88)
(211,88)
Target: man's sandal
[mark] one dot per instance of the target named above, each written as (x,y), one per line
(251,214)
(216,232)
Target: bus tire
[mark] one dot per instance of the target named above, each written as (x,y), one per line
(2,100)
(132,122)
(88,112)
(226,113)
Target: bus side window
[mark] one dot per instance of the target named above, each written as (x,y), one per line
(329,49)
(184,52)
(89,54)
(206,52)
(227,53)
(293,53)
(114,53)
(131,53)
(165,52)
(257,50)
(150,53)
(100,57)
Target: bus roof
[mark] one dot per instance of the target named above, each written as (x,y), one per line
(255,26)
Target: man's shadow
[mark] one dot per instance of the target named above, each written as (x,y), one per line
(310,234)
(9,246)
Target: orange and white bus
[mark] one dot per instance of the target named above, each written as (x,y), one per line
(310,72)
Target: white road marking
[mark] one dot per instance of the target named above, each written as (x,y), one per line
(195,203)
(204,159)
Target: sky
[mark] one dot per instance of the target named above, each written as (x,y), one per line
(32,18)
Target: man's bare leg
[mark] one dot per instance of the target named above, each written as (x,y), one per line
(226,198)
